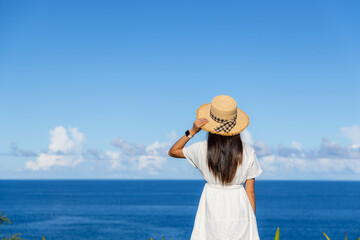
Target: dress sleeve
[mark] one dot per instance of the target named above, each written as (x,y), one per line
(254,167)
(191,154)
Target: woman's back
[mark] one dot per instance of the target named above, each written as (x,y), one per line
(224,212)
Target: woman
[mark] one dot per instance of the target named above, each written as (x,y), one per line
(226,210)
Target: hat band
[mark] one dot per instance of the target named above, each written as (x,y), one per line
(226,125)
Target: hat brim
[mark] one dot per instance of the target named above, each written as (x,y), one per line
(242,121)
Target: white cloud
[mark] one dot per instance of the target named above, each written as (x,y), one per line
(267,163)
(60,141)
(15,150)
(262,149)
(126,147)
(45,161)
(137,157)
(259,146)
(328,157)
(151,163)
(78,139)
(116,161)
(352,134)
(172,136)
(66,149)
(63,150)
(296,145)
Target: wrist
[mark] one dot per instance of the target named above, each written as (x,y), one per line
(192,132)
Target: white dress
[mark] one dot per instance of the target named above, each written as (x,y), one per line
(224,213)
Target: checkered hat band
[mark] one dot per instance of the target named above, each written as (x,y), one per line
(226,125)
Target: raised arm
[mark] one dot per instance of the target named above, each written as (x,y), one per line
(176,149)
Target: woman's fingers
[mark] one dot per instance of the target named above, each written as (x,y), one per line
(198,123)
(202,122)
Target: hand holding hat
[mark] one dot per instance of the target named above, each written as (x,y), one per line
(198,123)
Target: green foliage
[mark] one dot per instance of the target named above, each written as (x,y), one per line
(163,238)
(4,219)
(327,238)
(277,235)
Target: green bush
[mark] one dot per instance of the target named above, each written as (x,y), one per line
(4,219)
(327,238)
(277,235)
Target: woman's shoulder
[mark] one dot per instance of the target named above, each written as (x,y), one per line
(248,149)
(199,144)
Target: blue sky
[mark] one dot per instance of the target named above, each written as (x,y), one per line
(102,89)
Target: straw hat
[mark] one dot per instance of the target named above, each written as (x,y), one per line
(225,118)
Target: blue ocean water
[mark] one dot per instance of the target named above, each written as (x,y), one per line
(140,209)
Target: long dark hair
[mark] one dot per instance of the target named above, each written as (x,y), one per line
(224,154)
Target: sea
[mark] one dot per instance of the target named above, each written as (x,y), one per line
(144,209)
